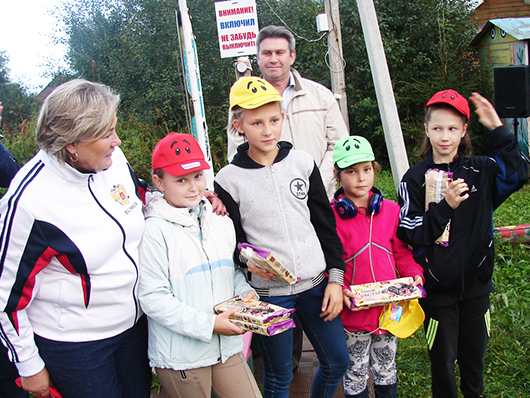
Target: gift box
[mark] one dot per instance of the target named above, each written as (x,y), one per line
(264,259)
(386,292)
(257,316)
(266,329)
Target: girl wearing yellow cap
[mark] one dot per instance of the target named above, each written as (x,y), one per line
(277,200)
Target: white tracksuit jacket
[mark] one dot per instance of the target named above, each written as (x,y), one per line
(68,256)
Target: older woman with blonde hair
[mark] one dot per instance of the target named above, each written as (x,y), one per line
(70,226)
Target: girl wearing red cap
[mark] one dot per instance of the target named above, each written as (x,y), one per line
(186,268)
(452,236)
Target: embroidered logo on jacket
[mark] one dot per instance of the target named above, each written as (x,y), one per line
(298,188)
(119,194)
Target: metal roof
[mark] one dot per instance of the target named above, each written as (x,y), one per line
(516,27)
(519,28)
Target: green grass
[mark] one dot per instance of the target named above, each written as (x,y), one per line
(507,369)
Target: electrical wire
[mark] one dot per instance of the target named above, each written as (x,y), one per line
(292,30)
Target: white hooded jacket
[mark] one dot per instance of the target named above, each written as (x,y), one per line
(186,268)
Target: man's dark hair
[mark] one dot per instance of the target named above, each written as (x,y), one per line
(273,31)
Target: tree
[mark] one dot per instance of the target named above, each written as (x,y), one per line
(427,48)
(132,46)
(18,104)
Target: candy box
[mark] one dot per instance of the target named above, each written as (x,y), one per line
(257,316)
(386,292)
(264,259)
(266,329)
(254,311)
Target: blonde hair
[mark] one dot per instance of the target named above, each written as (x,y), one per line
(237,113)
(76,111)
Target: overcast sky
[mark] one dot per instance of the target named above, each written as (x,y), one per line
(26,29)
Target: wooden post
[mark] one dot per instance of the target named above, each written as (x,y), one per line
(336,60)
(383,90)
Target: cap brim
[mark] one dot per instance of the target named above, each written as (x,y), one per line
(351,160)
(465,112)
(262,100)
(179,170)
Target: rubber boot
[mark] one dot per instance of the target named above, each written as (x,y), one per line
(362,394)
(389,391)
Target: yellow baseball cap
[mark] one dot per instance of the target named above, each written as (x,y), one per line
(409,319)
(252,92)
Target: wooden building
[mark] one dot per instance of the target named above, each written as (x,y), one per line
(497,9)
(505,42)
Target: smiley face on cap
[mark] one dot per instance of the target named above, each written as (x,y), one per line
(179,154)
(352,150)
(252,92)
(453,98)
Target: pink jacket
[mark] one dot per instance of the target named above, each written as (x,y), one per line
(386,251)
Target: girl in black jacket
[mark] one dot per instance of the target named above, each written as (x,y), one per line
(458,265)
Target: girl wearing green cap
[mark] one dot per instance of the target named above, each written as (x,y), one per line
(367,225)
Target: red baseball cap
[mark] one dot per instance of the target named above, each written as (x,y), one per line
(178,154)
(453,98)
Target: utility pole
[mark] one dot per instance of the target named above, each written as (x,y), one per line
(192,75)
(336,60)
(383,89)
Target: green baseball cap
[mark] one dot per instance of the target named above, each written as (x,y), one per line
(352,150)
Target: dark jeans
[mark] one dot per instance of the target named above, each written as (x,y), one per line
(8,375)
(327,339)
(116,367)
(460,333)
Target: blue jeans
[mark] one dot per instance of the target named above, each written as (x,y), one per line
(327,338)
(116,367)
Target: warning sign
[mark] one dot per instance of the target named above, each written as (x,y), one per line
(237,27)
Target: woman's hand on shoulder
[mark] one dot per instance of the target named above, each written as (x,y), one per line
(38,384)
(217,204)
(224,326)
(332,302)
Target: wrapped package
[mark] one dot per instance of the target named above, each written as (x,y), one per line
(386,292)
(257,316)
(264,259)
(436,185)
(266,329)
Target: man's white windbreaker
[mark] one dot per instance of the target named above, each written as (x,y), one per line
(186,268)
(68,256)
